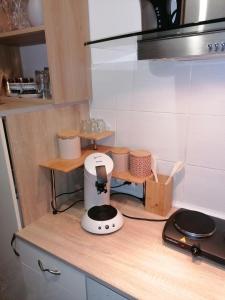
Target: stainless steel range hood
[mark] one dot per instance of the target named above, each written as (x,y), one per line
(186,29)
(190,42)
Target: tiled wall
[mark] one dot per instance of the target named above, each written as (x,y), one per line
(176,110)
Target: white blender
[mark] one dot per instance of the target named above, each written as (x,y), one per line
(100,217)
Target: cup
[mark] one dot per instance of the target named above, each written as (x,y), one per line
(101,126)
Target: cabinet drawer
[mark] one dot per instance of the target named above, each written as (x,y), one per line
(97,291)
(70,279)
(38,289)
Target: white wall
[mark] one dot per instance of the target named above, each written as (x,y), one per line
(33,58)
(174,109)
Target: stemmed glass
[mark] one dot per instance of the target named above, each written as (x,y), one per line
(19,15)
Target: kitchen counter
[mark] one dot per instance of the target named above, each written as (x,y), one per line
(18,105)
(133,260)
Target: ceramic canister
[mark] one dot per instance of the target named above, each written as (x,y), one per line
(120,157)
(140,163)
(35,13)
(69,144)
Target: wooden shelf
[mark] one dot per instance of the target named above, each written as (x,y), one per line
(126,176)
(96,136)
(67,165)
(23,37)
(25,99)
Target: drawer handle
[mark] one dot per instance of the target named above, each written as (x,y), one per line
(54,272)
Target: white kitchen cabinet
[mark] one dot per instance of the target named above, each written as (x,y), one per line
(38,288)
(10,269)
(69,285)
(97,291)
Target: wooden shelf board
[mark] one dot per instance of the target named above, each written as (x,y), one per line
(96,136)
(25,99)
(66,166)
(128,177)
(24,37)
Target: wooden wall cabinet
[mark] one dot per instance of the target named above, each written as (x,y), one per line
(65,29)
(32,138)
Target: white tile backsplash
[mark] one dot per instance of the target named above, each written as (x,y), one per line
(104,86)
(206,141)
(163,134)
(207,94)
(160,87)
(177,111)
(205,188)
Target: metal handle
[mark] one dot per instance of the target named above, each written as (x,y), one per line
(13,245)
(54,272)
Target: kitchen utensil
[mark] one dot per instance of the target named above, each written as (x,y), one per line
(154,167)
(177,168)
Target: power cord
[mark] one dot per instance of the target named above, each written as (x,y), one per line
(122,184)
(55,211)
(145,219)
(69,193)
(121,193)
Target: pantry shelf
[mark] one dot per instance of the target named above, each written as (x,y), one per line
(68,165)
(23,37)
(126,176)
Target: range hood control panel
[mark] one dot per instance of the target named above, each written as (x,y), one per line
(219,46)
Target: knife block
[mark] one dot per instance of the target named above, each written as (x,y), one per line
(158,198)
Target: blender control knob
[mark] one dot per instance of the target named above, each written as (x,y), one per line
(195,251)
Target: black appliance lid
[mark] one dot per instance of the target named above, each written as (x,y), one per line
(102,212)
(194,224)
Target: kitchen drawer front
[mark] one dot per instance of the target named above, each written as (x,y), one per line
(70,279)
(37,288)
(97,291)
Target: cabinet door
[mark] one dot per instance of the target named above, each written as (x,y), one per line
(70,280)
(37,288)
(97,291)
(66,29)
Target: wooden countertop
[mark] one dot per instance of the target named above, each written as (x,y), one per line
(17,105)
(133,260)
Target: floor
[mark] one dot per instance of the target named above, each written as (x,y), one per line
(11,280)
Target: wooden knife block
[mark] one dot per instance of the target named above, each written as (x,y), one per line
(158,198)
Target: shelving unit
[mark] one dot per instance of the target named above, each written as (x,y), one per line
(66,166)
(126,176)
(96,136)
(64,32)
(23,37)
